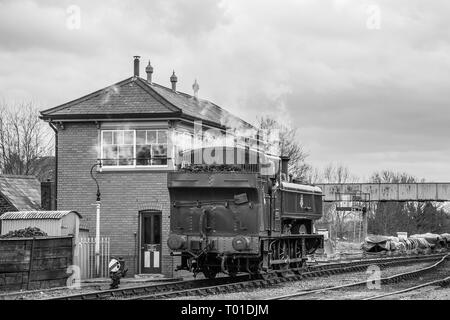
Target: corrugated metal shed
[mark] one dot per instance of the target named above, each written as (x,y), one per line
(23,192)
(28,215)
(54,223)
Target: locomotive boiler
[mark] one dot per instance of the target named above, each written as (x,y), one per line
(241,221)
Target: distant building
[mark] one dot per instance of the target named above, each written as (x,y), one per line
(135,129)
(19,193)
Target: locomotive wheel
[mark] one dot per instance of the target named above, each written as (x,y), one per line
(284,267)
(284,255)
(209,274)
(259,269)
(232,271)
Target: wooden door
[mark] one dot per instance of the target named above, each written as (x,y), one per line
(150,230)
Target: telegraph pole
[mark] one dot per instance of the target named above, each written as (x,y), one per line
(364,222)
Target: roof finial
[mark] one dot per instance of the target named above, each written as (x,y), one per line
(174,80)
(195,87)
(149,70)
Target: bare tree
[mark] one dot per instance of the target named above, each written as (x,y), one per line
(289,145)
(389,176)
(25,141)
(410,216)
(312,175)
(337,173)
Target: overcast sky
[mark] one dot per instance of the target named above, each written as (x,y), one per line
(367,83)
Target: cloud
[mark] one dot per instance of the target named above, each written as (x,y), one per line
(357,95)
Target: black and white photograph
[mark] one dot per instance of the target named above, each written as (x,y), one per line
(224,155)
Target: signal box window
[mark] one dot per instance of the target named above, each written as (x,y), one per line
(131,148)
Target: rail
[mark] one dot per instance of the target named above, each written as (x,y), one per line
(390,279)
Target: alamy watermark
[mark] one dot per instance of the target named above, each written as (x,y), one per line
(232,147)
(373,21)
(73,20)
(74,280)
(374,279)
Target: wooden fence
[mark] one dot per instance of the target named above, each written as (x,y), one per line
(35,263)
(85,258)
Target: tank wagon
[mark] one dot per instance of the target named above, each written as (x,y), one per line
(230,222)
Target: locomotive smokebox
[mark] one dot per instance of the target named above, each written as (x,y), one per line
(284,166)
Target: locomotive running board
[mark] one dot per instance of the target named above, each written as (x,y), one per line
(294,236)
(286,261)
(213,179)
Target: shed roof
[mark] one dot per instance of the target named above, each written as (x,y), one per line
(22,192)
(32,215)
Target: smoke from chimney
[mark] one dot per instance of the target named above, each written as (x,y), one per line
(136,66)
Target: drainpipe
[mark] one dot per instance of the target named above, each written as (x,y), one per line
(56,163)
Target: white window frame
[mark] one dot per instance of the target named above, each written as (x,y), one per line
(134,165)
(146,142)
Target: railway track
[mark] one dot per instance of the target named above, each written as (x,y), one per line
(320,293)
(441,282)
(151,289)
(317,271)
(227,284)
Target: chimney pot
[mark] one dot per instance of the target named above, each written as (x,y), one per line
(149,70)
(174,80)
(195,87)
(284,166)
(136,66)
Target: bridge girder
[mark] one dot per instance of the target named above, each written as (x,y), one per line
(389,191)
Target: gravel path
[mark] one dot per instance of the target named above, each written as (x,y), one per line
(427,293)
(363,292)
(57,292)
(48,293)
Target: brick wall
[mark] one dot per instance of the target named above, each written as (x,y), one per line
(5,206)
(123,194)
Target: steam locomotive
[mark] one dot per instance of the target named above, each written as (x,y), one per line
(242,221)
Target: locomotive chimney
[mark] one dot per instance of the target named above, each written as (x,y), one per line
(284,166)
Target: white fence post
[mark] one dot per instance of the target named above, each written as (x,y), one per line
(86,256)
